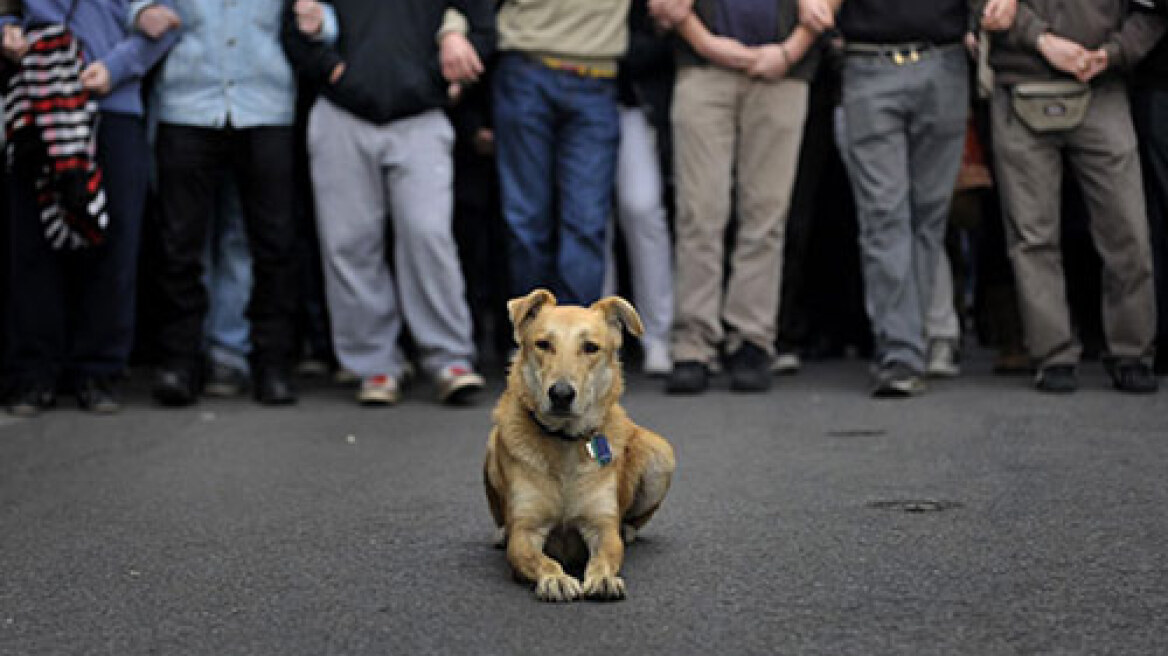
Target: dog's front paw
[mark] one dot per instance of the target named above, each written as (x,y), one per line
(607,588)
(560,587)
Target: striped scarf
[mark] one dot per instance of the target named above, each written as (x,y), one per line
(51,122)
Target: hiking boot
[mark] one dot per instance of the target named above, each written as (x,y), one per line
(225,381)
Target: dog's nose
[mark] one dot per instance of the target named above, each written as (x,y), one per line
(561,395)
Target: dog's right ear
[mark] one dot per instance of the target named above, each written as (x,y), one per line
(525,308)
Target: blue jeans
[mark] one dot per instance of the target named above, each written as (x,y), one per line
(227,276)
(556,135)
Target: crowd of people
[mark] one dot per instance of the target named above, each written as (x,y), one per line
(241,192)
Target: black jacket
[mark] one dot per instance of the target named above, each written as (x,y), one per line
(390,52)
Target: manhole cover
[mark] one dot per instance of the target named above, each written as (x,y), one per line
(915,505)
(857,432)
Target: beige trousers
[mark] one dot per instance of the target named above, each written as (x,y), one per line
(731,133)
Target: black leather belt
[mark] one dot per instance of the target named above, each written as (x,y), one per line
(898,53)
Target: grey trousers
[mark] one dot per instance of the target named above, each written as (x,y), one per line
(731,132)
(1102,154)
(363,175)
(903,135)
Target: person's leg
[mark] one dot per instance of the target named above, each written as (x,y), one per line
(1103,154)
(1151,122)
(102,322)
(351,217)
(875,149)
(264,173)
(770,133)
(190,162)
(705,129)
(420,174)
(642,217)
(1029,168)
(936,142)
(524,142)
(228,263)
(35,321)
(586,150)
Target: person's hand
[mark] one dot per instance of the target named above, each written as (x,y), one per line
(999,15)
(15,45)
(95,79)
(729,53)
(971,44)
(336,73)
(309,17)
(484,142)
(156,20)
(668,13)
(817,15)
(1064,54)
(1098,62)
(460,61)
(772,62)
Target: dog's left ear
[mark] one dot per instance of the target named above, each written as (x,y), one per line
(620,312)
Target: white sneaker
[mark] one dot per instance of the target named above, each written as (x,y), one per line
(942,362)
(657,361)
(458,385)
(786,363)
(378,390)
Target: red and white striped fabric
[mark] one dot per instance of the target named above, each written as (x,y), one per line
(51,122)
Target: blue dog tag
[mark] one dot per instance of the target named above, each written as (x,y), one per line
(599,450)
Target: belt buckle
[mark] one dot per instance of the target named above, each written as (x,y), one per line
(901,58)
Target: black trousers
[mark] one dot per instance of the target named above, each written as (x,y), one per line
(72,312)
(190,163)
(1150,113)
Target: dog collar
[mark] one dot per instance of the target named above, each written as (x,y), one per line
(559,433)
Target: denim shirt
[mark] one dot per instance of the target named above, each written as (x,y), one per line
(228,67)
(106,31)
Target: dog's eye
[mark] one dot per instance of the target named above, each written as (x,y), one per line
(590,347)
(543,345)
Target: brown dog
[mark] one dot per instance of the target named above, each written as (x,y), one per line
(552,488)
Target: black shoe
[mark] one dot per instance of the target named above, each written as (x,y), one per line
(1057,379)
(1132,376)
(174,388)
(750,369)
(30,398)
(273,386)
(897,381)
(97,395)
(225,381)
(687,377)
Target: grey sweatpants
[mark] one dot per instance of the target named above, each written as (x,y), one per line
(364,174)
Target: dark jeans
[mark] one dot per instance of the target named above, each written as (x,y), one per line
(190,163)
(73,311)
(557,135)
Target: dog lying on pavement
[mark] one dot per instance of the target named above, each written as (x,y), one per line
(569,477)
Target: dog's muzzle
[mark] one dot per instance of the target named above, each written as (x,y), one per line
(561,395)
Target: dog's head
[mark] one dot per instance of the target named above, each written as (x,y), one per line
(568,363)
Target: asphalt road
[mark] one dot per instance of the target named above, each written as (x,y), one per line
(1033,525)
